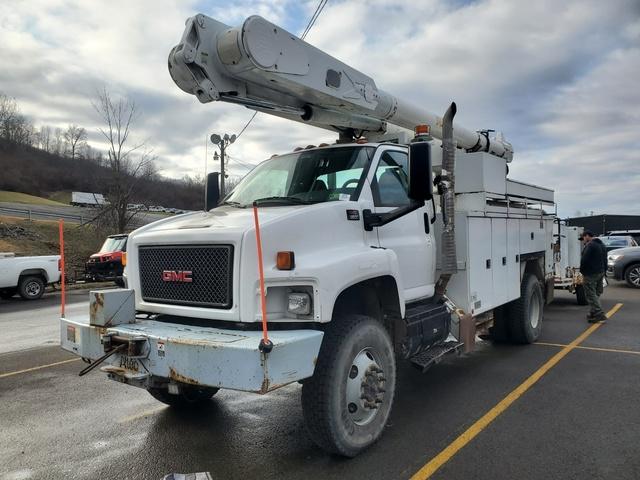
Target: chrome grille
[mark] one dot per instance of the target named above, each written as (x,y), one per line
(211,268)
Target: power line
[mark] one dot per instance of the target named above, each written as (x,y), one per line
(247,124)
(314,17)
(309,26)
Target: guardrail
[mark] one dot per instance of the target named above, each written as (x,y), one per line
(33,213)
(30,213)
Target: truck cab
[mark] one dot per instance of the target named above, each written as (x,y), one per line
(106,264)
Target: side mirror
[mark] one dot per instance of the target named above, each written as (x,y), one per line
(212,191)
(420,176)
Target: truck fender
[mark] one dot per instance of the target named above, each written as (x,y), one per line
(383,278)
(38,272)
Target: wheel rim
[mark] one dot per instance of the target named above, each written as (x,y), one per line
(634,276)
(365,387)
(534,309)
(33,289)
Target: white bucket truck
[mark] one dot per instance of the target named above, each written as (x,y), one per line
(361,269)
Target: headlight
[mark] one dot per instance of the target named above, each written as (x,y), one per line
(299,303)
(614,258)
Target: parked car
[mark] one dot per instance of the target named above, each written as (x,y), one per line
(633,233)
(624,264)
(27,276)
(106,265)
(612,242)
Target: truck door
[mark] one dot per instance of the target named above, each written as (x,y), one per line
(410,236)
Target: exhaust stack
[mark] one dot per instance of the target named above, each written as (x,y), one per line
(446,189)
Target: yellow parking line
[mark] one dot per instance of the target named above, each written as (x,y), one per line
(32,369)
(146,413)
(598,349)
(454,447)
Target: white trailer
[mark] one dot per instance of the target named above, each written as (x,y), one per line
(361,268)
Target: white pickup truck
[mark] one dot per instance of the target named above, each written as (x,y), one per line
(27,275)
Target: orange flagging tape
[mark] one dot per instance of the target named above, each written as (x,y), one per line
(62,279)
(263,300)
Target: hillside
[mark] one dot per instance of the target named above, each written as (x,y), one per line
(24,237)
(35,172)
(17,197)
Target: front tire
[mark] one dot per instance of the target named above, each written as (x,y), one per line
(189,397)
(632,276)
(581,296)
(31,288)
(346,404)
(525,313)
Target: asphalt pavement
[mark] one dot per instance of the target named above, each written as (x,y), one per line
(566,407)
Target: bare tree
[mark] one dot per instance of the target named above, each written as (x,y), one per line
(14,126)
(44,137)
(75,138)
(58,142)
(127,161)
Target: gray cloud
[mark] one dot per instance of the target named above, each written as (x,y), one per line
(559,78)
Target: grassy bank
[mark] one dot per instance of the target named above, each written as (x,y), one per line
(17,197)
(24,237)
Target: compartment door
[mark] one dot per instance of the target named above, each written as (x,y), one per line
(480,264)
(513,265)
(499,260)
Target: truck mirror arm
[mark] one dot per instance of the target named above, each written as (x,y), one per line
(380,219)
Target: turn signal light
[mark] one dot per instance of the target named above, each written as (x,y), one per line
(124,259)
(422,130)
(285,261)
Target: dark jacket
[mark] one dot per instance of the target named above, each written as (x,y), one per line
(594,258)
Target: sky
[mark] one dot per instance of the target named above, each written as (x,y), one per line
(560,79)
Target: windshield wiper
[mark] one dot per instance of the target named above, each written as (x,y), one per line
(295,200)
(233,204)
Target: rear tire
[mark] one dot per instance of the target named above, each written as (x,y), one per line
(346,404)
(7,293)
(632,275)
(500,330)
(525,313)
(189,397)
(30,287)
(581,296)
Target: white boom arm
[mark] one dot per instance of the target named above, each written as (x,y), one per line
(264,67)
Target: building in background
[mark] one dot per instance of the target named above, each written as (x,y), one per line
(601,224)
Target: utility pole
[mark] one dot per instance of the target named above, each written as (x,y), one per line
(222,143)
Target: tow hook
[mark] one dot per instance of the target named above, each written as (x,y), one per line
(132,347)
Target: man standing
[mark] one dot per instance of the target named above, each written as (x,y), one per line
(593,264)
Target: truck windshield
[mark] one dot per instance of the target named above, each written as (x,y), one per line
(308,176)
(114,244)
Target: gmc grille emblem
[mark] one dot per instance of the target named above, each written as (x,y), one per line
(181,276)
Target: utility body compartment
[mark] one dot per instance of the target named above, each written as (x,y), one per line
(491,249)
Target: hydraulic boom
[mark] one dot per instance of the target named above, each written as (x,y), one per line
(265,68)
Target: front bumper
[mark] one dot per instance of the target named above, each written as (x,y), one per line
(103,271)
(203,356)
(615,270)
